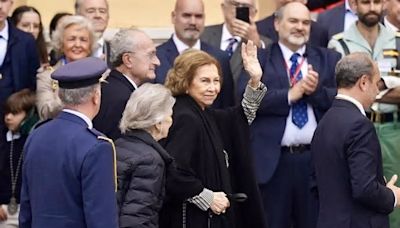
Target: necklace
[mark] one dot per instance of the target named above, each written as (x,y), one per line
(13,206)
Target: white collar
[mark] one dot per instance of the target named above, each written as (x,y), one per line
(12,136)
(182,46)
(348,8)
(4,32)
(100,41)
(390,25)
(131,81)
(352,100)
(226,35)
(81,115)
(287,53)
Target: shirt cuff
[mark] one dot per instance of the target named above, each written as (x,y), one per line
(203,200)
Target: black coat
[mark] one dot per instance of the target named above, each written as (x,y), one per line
(114,95)
(141,164)
(196,140)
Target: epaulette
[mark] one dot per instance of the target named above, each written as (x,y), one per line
(95,132)
(338,36)
(40,123)
(100,136)
(397,34)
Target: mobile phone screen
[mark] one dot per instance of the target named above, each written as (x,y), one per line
(242,13)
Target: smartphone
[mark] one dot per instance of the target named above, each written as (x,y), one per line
(243,13)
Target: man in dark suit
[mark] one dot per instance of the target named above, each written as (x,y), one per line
(188,19)
(318,34)
(347,155)
(230,35)
(97,11)
(68,171)
(337,19)
(301,87)
(133,56)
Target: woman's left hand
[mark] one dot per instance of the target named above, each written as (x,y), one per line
(251,63)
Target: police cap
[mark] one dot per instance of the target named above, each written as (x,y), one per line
(80,73)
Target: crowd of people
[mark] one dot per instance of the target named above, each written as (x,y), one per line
(285,122)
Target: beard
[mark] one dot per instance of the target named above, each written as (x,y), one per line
(370,21)
(298,41)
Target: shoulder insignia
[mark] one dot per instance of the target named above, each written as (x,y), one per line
(390,53)
(338,36)
(397,34)
(102,137)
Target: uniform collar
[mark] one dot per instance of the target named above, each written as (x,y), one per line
(81,115)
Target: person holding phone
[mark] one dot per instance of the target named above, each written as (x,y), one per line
(239,25)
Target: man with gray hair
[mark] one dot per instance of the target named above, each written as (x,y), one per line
(68,171)
(134,60)
(97,12)
(347,156)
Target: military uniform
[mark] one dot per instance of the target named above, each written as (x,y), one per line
(68,171)
(385,116)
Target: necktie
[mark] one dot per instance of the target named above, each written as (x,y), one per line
(299,109)
(229,49)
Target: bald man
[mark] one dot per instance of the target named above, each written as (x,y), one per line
(188,19)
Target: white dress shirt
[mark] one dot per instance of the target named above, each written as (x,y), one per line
(81,115)
(131,81)
(99,51)
(390,25)
(3,42)
(350,17)
(181,47)
(225,39)
(292,134)
(352,100)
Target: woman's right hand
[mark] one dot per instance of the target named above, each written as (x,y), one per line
(220,203)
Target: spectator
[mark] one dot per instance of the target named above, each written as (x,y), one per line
(207,146)
(392,19)
(142,162)
(53,25)
(28,19)
(134,60)
(19,118)
(74,39)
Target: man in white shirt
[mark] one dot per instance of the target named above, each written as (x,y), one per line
(96,11)
(392,18)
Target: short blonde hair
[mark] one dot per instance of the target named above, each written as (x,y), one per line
(67,21)
(185,66)
(147,106)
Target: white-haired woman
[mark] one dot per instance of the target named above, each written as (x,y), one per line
(73,39)
(141,161)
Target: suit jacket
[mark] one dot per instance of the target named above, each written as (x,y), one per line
(336,25)
(21,60)
(114,96)
(212,35)
(348,168)
(167,52)
(318,34)
(68,177)
(268,127)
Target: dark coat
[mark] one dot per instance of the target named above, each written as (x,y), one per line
(141,179)
(167,52)
(268,128)
(114,95)
(348,167)
(318,34)
(20,64)
(196,140)
(68,177)
(333,19)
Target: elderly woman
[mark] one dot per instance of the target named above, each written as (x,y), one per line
(74,39)
(210,146)
(141,160)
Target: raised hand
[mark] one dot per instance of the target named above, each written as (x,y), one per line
(251,63)
(310,82)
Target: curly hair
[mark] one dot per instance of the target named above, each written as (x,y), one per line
(185,66)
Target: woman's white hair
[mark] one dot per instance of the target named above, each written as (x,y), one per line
(67,21)
(147,106)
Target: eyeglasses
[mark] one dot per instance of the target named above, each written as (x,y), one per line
(150,55)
